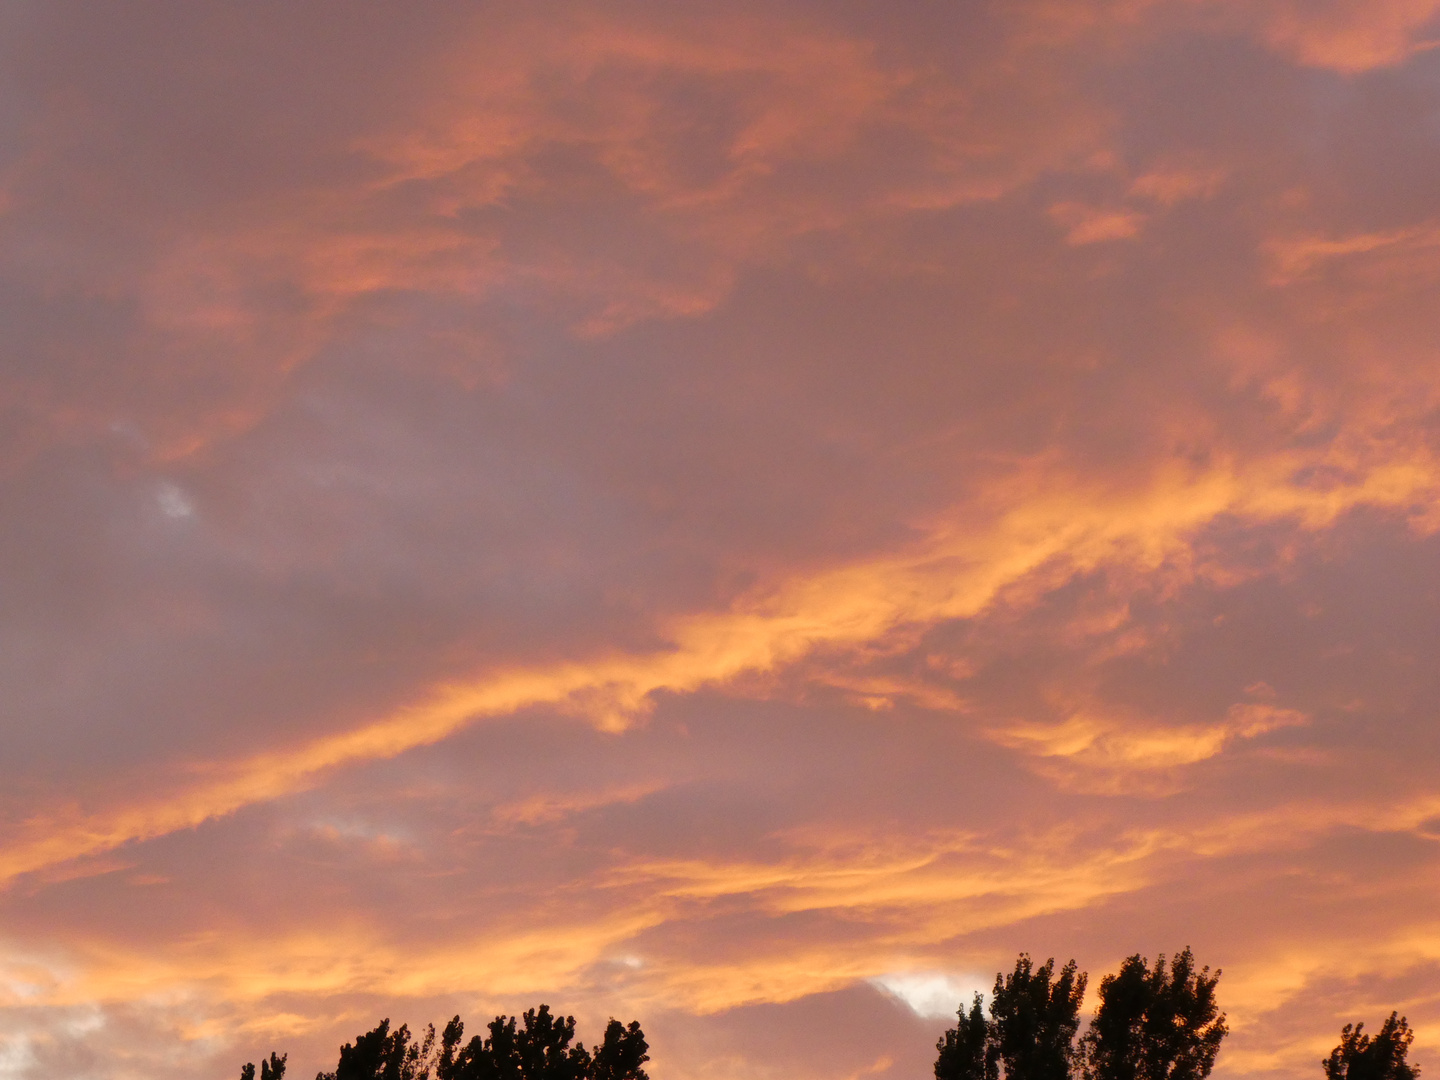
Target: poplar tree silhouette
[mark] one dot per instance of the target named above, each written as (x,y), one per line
(1361,1057)
(274,1069)
(1154,1024)
(1034,1016)
(965,1051)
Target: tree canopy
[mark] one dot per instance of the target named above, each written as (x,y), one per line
(1382,1057)
(540,1050)
(1034,1015)
(534,1046)
(1154,1024)
(1030,1033)
(1159,1023)
(273,1069)
(965,1051)
(383,1054)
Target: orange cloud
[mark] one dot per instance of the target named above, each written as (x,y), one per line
(1353,37)
(1098,451)
(1109,753)
(1170,185)
(1403,251)
(956,573)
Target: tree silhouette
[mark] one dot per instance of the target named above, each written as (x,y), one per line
(1154,1024)
(540,1050)
(1159,1023)
(965,1051)
(545,1050)
(274,1069)
(621,1054)
(1360,1057)
(384,1055)
(1034,1016)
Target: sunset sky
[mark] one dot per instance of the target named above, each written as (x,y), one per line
(742,516)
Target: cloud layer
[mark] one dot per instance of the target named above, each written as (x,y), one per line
(745,518)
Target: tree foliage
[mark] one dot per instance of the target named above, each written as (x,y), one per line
(1154,1023)
(621,1053)
(1159,1023)
(534,1046)
(1034,1015)
(273,1069)
(965,1051)
(1361,1057)
(541,1050)
(383,1054)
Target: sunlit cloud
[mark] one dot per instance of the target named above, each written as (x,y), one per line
(931,994)
(1108,752)
(746,519)
(956,575)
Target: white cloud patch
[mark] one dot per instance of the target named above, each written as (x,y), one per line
(174,503)
(931,993)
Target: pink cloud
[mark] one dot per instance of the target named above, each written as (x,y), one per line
(698,514)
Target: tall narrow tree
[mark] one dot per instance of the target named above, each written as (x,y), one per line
(965,1050)
(1034,1017)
